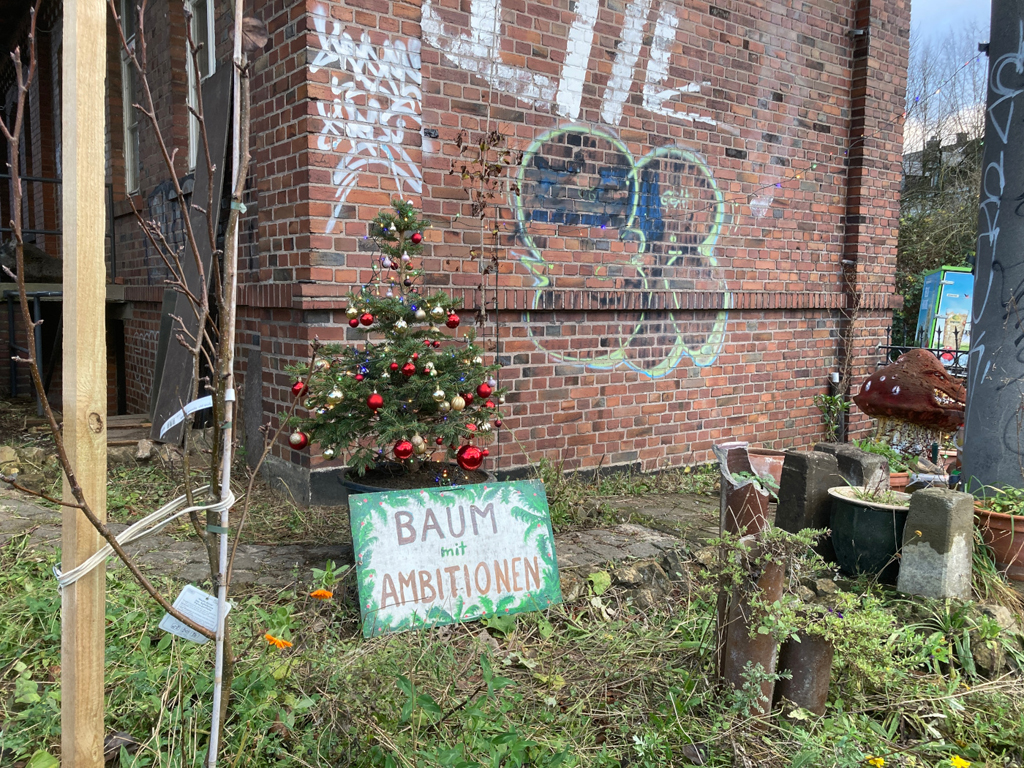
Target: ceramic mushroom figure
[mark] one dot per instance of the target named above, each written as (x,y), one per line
(914,400)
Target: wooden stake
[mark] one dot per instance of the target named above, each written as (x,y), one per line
(85,376)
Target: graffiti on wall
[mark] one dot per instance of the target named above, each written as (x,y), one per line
(377,97)
(167,216)
(647,225)
(479,51)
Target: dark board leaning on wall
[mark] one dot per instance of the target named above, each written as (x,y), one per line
(172,378)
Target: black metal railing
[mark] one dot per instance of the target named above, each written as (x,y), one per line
(954,360)
(5,230)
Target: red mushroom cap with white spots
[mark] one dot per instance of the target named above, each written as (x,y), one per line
(916,389)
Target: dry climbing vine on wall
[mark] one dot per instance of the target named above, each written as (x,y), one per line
(487,169)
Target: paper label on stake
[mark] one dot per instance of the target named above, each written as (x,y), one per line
(198,606)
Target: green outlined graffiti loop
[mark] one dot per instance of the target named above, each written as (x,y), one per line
(617,200)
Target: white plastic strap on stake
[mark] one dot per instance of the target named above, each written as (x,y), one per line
(195,405)
(147,525)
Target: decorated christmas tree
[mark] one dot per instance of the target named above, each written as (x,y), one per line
(417,386)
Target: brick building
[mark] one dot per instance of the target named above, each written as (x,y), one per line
(705,228)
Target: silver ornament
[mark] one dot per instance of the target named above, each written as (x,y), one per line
(478,360)
(421,315)
(485,427)
(416,440)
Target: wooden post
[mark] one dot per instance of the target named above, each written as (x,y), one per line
(85,376)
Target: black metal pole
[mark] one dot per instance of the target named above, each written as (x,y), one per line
(993,452)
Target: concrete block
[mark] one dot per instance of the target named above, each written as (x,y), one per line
(937,545)
(858,467)
(803,494)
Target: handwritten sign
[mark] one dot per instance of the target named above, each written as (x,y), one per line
(430,557)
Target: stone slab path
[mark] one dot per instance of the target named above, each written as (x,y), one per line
(658,524)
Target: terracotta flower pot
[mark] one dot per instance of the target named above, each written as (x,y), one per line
(1005,535)
(898,481)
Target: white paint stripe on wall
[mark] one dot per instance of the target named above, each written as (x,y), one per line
(617,92)
(577,59)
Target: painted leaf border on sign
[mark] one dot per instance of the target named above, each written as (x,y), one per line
(531,509)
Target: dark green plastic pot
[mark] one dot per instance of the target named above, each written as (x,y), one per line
(867,535)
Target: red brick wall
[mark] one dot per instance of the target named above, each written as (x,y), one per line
(671,275)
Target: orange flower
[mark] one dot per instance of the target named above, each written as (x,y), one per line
(322,594)
(276,641)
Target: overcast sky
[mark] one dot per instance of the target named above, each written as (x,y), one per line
(934,18)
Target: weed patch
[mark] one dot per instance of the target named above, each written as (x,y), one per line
(597,683)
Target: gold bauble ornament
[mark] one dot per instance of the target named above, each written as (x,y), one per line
(437,312)
(400,326)
(321,365)
(335,396)
(444,407)
(478,360)
(439,395)
(458,403)
(421,314)
(485,427)
(329,453)
(352,311)
(416,440)
(420,448)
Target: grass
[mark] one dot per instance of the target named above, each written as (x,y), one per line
(575,499)
(596,684)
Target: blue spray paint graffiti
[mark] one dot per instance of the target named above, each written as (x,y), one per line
(647,225)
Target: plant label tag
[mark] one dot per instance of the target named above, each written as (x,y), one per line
(198,606)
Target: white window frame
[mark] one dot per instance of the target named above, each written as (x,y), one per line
(131,116)
(209,51)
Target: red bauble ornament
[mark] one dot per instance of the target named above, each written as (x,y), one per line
(485,452)
(299,389)
(440,441)
(354,322)
(403,450)
(359,377)
(497,422)
(471,427)
(375,401)
(416,238)
(415,355)
(409,369)
(393,366)
(436,344)
(452,321)
(468,397)
(489,404)
(484,390)
(469,457)
(298,440)
(426,342)
(366,319)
